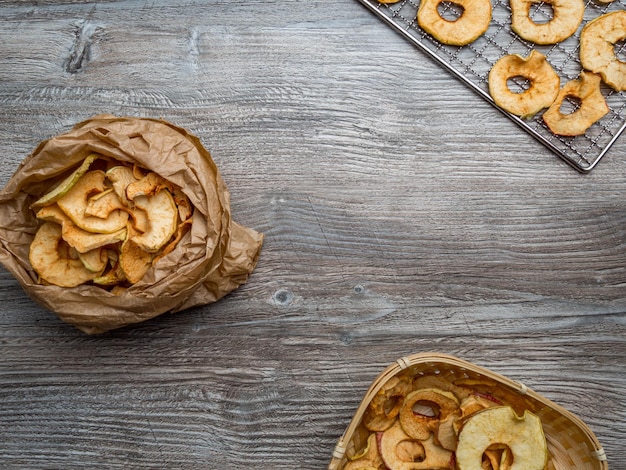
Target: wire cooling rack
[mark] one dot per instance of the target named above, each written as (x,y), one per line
(472,63)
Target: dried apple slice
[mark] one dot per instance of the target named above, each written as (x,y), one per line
(139,219)
(163,220)
(65,185)
(45,258)
(477,402)
(400,452)
(77,238)
(597,48)
(470,25)
(149,185)
(438,405)
(544,83)
(523,436)
(134,261)
(185,209)
(101,205)
(94,260)
(74,203)
(368,458)
(182,229)
(114,276)
(385,406)
(447,435)
(120,177)
(567,16)
(586,89)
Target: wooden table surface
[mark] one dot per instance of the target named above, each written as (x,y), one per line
(402,214)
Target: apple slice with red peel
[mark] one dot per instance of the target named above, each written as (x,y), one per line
(437,404)
(401,452)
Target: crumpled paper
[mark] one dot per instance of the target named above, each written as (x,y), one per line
(215,257)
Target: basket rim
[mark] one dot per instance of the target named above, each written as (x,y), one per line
(405,362)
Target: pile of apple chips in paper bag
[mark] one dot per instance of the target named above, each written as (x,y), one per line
(120,220)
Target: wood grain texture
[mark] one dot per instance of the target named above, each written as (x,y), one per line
(401,212)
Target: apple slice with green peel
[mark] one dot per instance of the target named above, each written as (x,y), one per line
(46,259)
(368,458)
(65,185)
(112,277)
(74,203)
(163,220)
(79,239)
(500,425)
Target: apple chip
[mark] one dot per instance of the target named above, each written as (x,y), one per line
(592,106)
(120,177)
(566,17)
(523,435)
(385,406)
(162,214)
(134,261)
(47,260)
(103,204)
(401,452)
(74,202)
(148,185)
(113,277)
(95,260)
(367,458)
(597,48)
(544,83)
(474,19)
(65,185)
(77,238)
(422,411)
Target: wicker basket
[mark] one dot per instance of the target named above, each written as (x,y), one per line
(571,444)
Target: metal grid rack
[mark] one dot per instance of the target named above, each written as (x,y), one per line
(472,63)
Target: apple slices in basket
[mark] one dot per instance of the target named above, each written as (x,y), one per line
(431,423)
(107,223)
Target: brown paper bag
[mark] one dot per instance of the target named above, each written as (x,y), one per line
(215,257)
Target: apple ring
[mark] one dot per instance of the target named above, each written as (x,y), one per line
(419,426)
(543,89)
(400,452)
(523,436)
(597,48)
(567,16)
(385,406)
(469,26)
(592,106)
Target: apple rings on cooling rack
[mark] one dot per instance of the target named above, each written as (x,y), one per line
(541,93)
(597,48)
(466,28)
(592,107)
(566,17)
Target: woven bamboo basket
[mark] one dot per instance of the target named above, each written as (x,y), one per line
(571,444)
